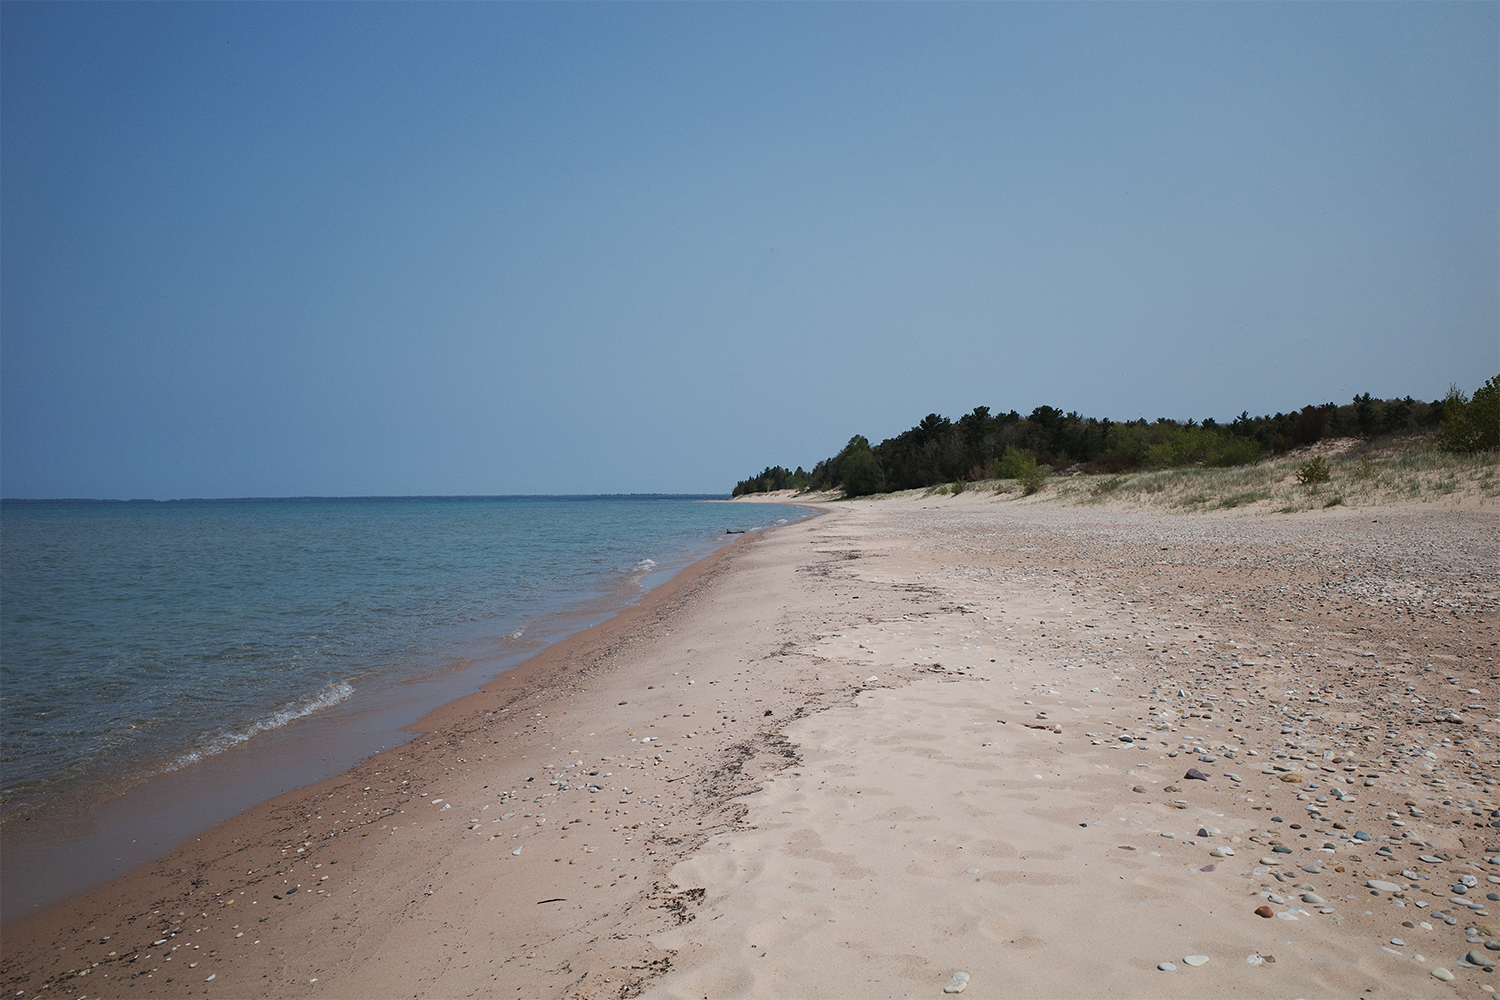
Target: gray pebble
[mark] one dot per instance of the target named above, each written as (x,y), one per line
(1166,966)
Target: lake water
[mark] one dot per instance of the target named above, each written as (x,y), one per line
(143,640)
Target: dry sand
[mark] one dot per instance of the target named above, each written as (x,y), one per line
(910,738)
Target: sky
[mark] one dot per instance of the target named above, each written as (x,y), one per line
(396,249)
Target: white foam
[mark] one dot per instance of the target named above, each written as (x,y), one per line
(330,695)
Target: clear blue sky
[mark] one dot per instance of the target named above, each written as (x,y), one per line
(290,248)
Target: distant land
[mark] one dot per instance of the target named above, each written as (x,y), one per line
(981,445)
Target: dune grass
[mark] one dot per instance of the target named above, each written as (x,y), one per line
(1359,474)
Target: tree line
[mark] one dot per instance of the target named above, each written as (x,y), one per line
(984,445)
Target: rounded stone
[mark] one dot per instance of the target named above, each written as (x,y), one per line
(1443,974)
(1196,960)
(1166,966)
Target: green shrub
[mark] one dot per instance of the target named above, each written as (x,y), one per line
(1235,451)
(1313,472)
(1034,478)
(1016,463)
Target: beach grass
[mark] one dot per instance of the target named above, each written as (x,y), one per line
(1359,473)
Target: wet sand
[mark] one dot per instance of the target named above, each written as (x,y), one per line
(914,737)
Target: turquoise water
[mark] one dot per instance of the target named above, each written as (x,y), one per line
(138,639)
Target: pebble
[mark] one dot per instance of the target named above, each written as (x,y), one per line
(1430,859)
(1383,886)
(1253,960)
(1313,898)
(1265,911)
(1443,974)
(1196,960)
(1270,861)
(971,871)
(1363,835)
(959,984)
(1193,774)
(1398,942)
(1311,869)
(1208,831)
(1166,966)
(1222,852)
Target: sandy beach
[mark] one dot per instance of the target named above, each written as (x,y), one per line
(915,743)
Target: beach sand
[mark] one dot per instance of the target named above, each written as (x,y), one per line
(910,738)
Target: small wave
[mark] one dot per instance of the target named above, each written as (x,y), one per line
(516,634)
(332,694)
(645,566)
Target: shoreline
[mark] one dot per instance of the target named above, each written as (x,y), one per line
(812,722)
(209,857)
(75,845)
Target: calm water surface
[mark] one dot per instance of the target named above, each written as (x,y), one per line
(138,639)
